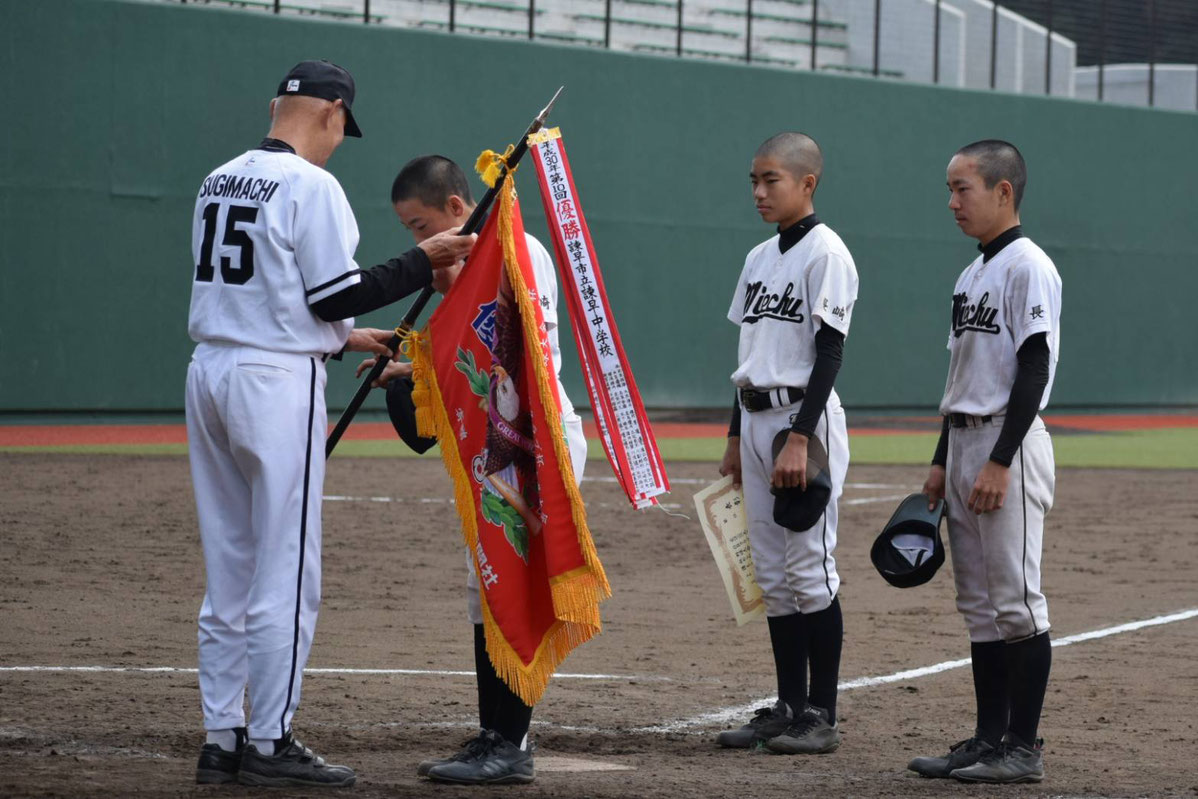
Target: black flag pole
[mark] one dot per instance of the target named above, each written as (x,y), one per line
(409,320)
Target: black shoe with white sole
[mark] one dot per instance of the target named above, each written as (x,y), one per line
(767,722)
(494,761)
(811,733)
(292,765)
(960,755)
(469,749)
(1012,761)
(219,766)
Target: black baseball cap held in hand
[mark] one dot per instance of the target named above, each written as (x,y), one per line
(794,508)
(327,81)
(908,552)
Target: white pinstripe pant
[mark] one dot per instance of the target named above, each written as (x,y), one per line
(795,570)
(996,556)
(255,431)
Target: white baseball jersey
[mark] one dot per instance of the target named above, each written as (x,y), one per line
(777,303)
(778,300)
(542,265)
(997,305)
(261,260)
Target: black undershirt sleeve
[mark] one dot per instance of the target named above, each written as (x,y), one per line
(1031,378)
(734,425)
(829,351)
(941,456)
(380,285)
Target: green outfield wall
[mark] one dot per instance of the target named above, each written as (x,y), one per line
(115,111)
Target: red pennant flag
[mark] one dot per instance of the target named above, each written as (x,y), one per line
(485,387)
(616,403)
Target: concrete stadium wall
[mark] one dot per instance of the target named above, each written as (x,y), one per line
(117,110)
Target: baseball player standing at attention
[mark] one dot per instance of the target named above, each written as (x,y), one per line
(430,195)
(275,290)
(793,304)
(994,464)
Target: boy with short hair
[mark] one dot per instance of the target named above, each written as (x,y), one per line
(431,195)
(1004,342)
(793,304)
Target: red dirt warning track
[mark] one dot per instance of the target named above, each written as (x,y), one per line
(132,434)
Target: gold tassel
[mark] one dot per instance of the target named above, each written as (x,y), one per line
(417,348)
(490,164)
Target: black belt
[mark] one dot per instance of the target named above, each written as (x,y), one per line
(762,399)
(967,420)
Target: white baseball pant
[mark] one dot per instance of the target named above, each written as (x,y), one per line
(996,556)
(795,570)
(256,429)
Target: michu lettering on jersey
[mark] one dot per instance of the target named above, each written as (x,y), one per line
(978,317)
(762,305)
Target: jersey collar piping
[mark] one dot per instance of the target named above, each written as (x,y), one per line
(795,233)
(1000,241)
(275,146)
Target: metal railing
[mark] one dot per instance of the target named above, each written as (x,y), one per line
(1107,50)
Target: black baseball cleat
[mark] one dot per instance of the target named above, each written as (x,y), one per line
(218,766)
(767,722)
(292,765)
(1012,761)
(468,750)
(960,755)
(493,761)
(810,733)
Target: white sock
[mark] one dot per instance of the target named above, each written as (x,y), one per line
(225,739)
(265,746)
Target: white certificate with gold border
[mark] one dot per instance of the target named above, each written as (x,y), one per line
(722,513)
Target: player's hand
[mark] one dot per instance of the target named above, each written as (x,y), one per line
(730,465)
(790,469)
(369,339)
(391,371)
(447,248)
(444,278)
(990,489)
(933,487)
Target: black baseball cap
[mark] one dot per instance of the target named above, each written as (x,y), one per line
(327,81)
(797,509)
(908,551)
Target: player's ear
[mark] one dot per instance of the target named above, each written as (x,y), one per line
(334,117)
(273,103)
(455,205)
(1006,192)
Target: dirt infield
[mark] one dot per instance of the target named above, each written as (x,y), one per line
(100,566)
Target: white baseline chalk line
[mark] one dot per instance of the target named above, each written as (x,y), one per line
(449,501)
(705,481)
(731,714)
(717,717)
(667,505)
(870,500)
(671,505)
(350,672)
